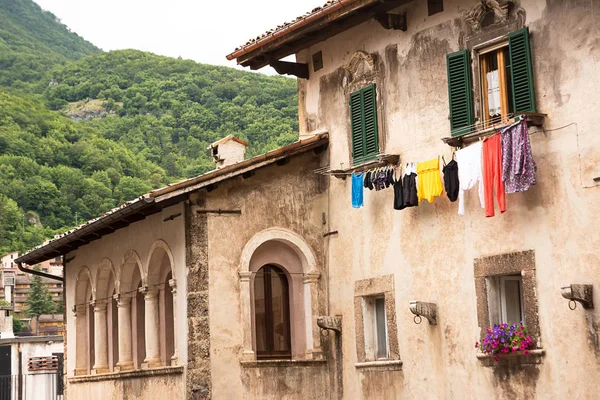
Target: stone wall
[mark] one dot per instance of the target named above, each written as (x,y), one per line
(288,198)
(198,382)
(430,249)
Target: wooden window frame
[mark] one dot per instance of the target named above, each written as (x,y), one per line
(502,78)
(270,353)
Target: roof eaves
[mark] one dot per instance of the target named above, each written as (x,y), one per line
(242,166)
(152,199)
(288,27)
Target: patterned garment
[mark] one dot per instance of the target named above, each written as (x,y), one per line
(518,166)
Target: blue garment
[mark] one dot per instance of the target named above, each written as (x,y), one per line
(357,190)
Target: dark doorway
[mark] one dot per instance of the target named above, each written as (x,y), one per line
(5,372)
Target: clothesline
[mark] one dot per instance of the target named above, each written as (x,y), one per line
(501,164)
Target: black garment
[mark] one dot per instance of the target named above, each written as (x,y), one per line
(451,183)
(398,194)
(368,181)
(389,178)
(409,187)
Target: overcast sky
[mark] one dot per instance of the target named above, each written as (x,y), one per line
(201,30)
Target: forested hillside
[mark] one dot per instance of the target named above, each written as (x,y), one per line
(32,42)
(151,119)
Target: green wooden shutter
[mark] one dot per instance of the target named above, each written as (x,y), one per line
(370,118)
(460,92)
(356,119)
(521,71)
(363,118)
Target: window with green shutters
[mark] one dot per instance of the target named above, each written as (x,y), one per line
(521,71)
(363,119)
(460,92)
(506,83)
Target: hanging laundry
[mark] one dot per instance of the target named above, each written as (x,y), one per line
(469,173)
(430,182)
(368,183)
(380,180)
(398,193)
(451,181)
(357,190)
(492,174)
(409,188)
(389,178)
(518,166)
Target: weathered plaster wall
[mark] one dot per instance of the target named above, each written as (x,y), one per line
(158,387)
(430,249)
(291,197)
(139,236)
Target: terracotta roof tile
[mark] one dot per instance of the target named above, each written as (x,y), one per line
(286,24)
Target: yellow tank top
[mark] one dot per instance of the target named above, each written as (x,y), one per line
(430,181)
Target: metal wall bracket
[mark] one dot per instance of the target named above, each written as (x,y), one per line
(423,309)
(582,294)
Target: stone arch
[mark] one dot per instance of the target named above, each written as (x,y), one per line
(287,237)
(103,278)
(161,256)
(84,321)
(289,251)
(160,272)
(83,293)
(126,271)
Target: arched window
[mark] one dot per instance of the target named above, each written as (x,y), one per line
(272,313)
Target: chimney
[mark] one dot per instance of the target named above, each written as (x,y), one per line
(6,322)
(227,151)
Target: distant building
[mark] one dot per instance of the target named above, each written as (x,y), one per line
(7,260)
(16,284)
(47,324)
(30,367)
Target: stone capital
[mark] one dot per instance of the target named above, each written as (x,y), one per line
(245,276)
(79,310)
(173,285)
(149,293)
(311,277)
(99,306)
(122,301)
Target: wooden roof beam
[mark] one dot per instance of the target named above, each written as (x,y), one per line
(299,70)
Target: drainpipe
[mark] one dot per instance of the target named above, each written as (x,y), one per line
(39,273)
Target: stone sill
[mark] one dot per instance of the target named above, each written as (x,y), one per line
(138,373)
(281,363)
(535,119)
(535,356)
(383,365)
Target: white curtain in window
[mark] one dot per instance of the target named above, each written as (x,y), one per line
(493,84)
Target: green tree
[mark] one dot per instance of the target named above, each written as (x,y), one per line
(18,325)
(39,300)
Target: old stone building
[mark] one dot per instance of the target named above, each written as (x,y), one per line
(260,280)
